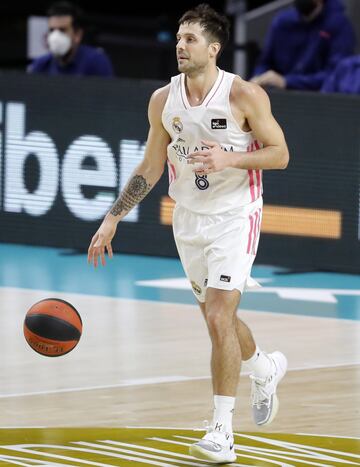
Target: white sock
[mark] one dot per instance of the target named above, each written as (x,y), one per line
(259,364)
(223,413)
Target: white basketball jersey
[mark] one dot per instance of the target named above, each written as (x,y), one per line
(212,120)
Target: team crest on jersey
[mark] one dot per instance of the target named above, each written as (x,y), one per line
(177,125)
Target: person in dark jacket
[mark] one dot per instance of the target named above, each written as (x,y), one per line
(67,56)
(345,78)
(304,44)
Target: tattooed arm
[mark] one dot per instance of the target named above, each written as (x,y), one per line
(136,189)
(144,178)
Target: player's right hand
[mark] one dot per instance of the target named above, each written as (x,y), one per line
(101,241)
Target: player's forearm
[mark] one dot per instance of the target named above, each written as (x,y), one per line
(139,185)
(270,157)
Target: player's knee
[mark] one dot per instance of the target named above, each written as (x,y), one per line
(218,321)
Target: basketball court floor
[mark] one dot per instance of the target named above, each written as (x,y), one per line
(137,387)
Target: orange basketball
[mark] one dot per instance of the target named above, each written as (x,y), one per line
(52,327)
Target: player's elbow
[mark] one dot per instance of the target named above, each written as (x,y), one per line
(156,173)
(284,158)
(151,171)
(159,172)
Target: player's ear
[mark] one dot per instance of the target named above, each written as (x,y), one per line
(214,48)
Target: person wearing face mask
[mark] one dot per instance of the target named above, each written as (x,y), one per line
(67,55)
(304,45)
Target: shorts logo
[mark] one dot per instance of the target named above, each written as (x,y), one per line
(177,125)
(225,278)
(205,282)
(196,288)
(218,124)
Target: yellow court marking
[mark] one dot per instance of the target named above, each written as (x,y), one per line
(103,447)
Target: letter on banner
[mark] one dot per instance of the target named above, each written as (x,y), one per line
(18,147)
(74,177)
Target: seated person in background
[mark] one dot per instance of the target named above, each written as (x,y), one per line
(345,78)
(67,55)
(304,44)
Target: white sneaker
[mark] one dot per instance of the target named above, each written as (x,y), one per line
(216,447)
(264,401)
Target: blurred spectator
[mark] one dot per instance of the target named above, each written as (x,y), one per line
(67,55)
(304,44)
(345,78)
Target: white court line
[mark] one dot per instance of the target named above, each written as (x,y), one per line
(147,427)
(159,380)
(127,383)
(311,294)
(296,293)
(107,427)
(328,436)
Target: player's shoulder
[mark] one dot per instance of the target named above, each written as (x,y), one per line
(157,103)
(159,96)
(243,91)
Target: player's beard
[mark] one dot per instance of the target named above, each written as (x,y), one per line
(191,68)
(184,66)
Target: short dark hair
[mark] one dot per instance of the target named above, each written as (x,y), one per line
(215,25)
(67,9)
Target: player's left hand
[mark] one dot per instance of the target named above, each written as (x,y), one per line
(209,160)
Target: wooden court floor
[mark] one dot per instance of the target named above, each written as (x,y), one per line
(146,364)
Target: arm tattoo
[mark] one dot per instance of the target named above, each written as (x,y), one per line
(135,191)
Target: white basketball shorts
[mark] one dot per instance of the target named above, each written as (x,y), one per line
(218,250)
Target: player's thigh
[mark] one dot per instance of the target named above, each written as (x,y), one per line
(191,250)
(232,252)
(194,264)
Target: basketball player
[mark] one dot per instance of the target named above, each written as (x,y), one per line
(217,133)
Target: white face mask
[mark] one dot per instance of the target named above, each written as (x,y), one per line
(59,43)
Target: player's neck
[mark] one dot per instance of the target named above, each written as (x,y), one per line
(198,86)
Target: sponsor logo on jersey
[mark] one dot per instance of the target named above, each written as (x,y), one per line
(177,125)
(225,278)
(218,124)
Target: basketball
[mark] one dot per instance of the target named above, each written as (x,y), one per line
(52,327)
